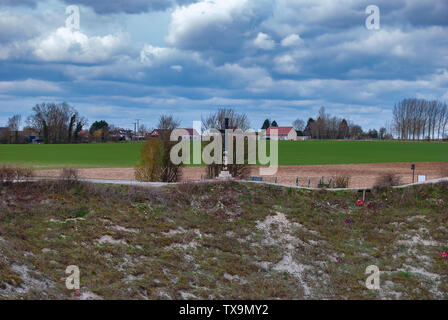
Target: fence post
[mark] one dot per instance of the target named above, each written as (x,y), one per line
(275,180)
(297,181)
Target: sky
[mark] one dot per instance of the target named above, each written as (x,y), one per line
(278,59)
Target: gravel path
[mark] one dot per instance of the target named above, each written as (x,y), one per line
(361,175)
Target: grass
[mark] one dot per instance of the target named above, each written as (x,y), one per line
(125,155)
(221,241)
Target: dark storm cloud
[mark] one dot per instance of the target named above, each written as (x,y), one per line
(129,6)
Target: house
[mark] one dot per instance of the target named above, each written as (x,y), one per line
(35,139)
(156,133)
(83,136)
(192,135)
(283,133)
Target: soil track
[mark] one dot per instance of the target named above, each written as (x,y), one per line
(361,175)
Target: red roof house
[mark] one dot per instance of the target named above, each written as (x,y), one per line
(283,133)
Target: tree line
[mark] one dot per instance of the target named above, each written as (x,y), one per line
(413,119)
(57,123)
(417,119)
(332,127)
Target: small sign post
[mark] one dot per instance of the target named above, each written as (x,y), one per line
(413,172)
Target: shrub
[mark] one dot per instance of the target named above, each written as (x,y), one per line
(155,163)
(341,181)
(386,180)
(444,172)
(69,174)
(236,170)
(170,172)
(150,166)
(12,173)
(68,178)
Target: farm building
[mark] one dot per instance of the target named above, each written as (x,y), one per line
(284,133)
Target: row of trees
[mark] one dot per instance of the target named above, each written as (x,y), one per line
(61,123)
(267,123)
(57,123)
(332,127)
(10,134)
(416,119)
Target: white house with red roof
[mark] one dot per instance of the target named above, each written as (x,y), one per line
(283,133)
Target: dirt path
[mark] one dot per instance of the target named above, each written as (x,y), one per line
(361,175)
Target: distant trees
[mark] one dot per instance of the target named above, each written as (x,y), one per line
(13,127)
(217,120)
(416,119)
(57,123)
(331,127)
(266,124)
(274,124)
(372,134)
(309,126)
(298,124)
(238,121)
(343,130)
(382,133)
(99,131)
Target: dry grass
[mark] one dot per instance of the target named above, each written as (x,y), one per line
(221,241)
(13,173)
(444,172)
(386,180)
(341,181)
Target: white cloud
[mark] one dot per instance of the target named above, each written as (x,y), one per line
(152,56)
(292,40)
(286,64)
(29,85)
(264,41)
(66,44)
(197,17)
(177,68)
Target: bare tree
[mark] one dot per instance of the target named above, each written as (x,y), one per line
(420,119)
(56,122)
(14,126)
(217,120)
(299,124)
(168,122)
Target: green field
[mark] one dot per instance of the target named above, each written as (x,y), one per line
(123,155)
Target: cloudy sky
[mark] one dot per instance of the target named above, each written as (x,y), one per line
(278,59)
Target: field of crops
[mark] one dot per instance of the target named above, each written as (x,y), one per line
(125,155)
